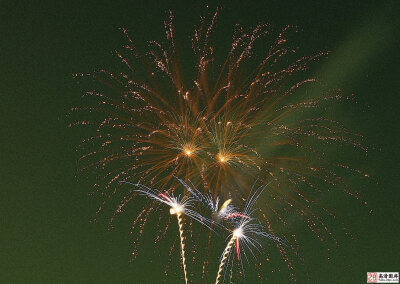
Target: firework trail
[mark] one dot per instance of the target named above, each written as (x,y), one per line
(179,207)
(225,256)
(180,223)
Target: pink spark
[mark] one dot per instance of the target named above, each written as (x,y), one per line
(234,215)
(165,197)
(237,248)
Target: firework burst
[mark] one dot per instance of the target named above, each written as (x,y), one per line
(246,234)
(151,124)
(179,207)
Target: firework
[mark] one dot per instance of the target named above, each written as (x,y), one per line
(246,233)
(228,119)
(179,207)
(214,129)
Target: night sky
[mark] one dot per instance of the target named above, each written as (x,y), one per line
(46,233)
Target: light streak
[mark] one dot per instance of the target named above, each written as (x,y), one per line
(225,256)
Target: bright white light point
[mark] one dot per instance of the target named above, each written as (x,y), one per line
(237,233)
(176,210)
(222,158)
(188,151)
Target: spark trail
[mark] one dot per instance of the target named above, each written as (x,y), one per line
(180,223)
(225,256)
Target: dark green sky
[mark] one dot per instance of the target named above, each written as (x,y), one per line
(45,230)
